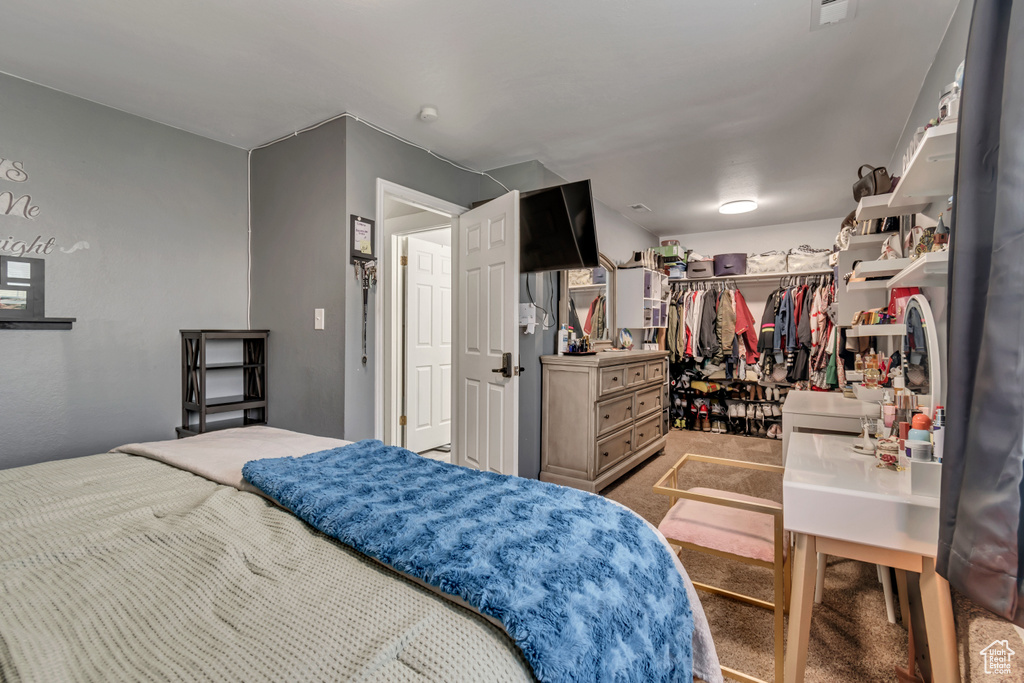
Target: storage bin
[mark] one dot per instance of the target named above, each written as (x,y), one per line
(677,271)
(768,262)
(697,270)
(670,252)
(730,264)
(599,275)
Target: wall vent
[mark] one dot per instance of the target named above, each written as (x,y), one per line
(826,13)
(640,208)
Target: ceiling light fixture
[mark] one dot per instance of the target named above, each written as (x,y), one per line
(741,206)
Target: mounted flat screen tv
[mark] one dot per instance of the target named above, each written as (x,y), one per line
(556,228)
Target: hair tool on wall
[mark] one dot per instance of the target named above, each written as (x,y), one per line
(366,273)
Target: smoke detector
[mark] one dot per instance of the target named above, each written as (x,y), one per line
(826,13)
(428,113)
(640,208)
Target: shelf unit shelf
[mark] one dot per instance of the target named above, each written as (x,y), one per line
(888,330)
(927,270)
(197,404)
(930,172)
(877,206)
(752,277)
(867,284)
(888,267)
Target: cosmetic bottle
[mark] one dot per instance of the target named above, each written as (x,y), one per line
(938,433)
(563,340)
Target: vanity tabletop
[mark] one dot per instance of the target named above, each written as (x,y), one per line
(830,403)
(604,358)
(832,491)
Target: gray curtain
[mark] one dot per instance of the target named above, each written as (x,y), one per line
(980,512)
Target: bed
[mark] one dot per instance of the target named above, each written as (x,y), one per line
(128,566)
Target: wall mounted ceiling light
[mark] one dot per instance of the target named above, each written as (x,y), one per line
(741,206)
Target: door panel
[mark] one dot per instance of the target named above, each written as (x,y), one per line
(486,418)
(428,345)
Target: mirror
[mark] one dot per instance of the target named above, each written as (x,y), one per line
(587,302)
(922,354)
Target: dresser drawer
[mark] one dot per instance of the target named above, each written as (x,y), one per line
(656,370)
(648,430)
(636,374)
(648,400)
(614,413)
(611,379)
(614,448)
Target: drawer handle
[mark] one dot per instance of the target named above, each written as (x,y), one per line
(629,408)
(607,417)
(641,436)
(641,402)
(638,374)
(627,442)
(605,454)
(615,379)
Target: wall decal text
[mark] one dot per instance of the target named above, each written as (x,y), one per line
(22,248)
(13,171)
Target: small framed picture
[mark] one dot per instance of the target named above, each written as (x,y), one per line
(361,238)
(21,288)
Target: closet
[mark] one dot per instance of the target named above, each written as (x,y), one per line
(728,371)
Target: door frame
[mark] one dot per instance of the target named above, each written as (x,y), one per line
(387,383)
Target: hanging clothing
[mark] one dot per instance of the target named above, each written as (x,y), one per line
(726,326)
(745,329)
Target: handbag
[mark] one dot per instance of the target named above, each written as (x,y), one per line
(768,262)
(898,300)
(875,182)
(805,258)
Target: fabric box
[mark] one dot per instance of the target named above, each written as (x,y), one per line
(697,270)
(730,264)
(768,262)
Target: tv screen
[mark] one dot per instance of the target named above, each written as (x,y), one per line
(557,230)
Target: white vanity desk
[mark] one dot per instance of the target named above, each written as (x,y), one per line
(822,411)
(840,503)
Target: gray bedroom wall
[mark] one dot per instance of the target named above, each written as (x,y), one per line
(950,53)
(299,263)
(164,216)
(369,155)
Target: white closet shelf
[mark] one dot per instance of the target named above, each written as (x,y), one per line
(868,240)
(927,270)
(930,172)
(751,277)
(877,206)
(867,284)
(878,268)
(891,330)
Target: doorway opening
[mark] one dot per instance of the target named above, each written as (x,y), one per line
(415,330)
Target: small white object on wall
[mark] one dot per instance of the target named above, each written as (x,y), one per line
(318,319)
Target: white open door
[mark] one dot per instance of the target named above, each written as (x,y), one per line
(485,432)
(428,345)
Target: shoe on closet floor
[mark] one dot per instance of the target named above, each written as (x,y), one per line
(750,411)
(761,431)
(705,423)
(776,410)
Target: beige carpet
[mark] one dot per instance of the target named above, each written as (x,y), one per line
(851,640)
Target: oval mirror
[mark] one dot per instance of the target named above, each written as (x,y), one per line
(922,354)
(587,302)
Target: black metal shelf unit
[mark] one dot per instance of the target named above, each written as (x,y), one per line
(196,405)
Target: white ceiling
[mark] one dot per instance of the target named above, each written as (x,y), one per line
(678,105)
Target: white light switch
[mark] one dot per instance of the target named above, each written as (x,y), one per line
(318,319)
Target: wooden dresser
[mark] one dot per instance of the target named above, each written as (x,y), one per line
(602,415)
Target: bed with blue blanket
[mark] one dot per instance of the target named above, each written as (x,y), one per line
(291,557)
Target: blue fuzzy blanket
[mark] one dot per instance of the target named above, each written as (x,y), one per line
(584,587)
